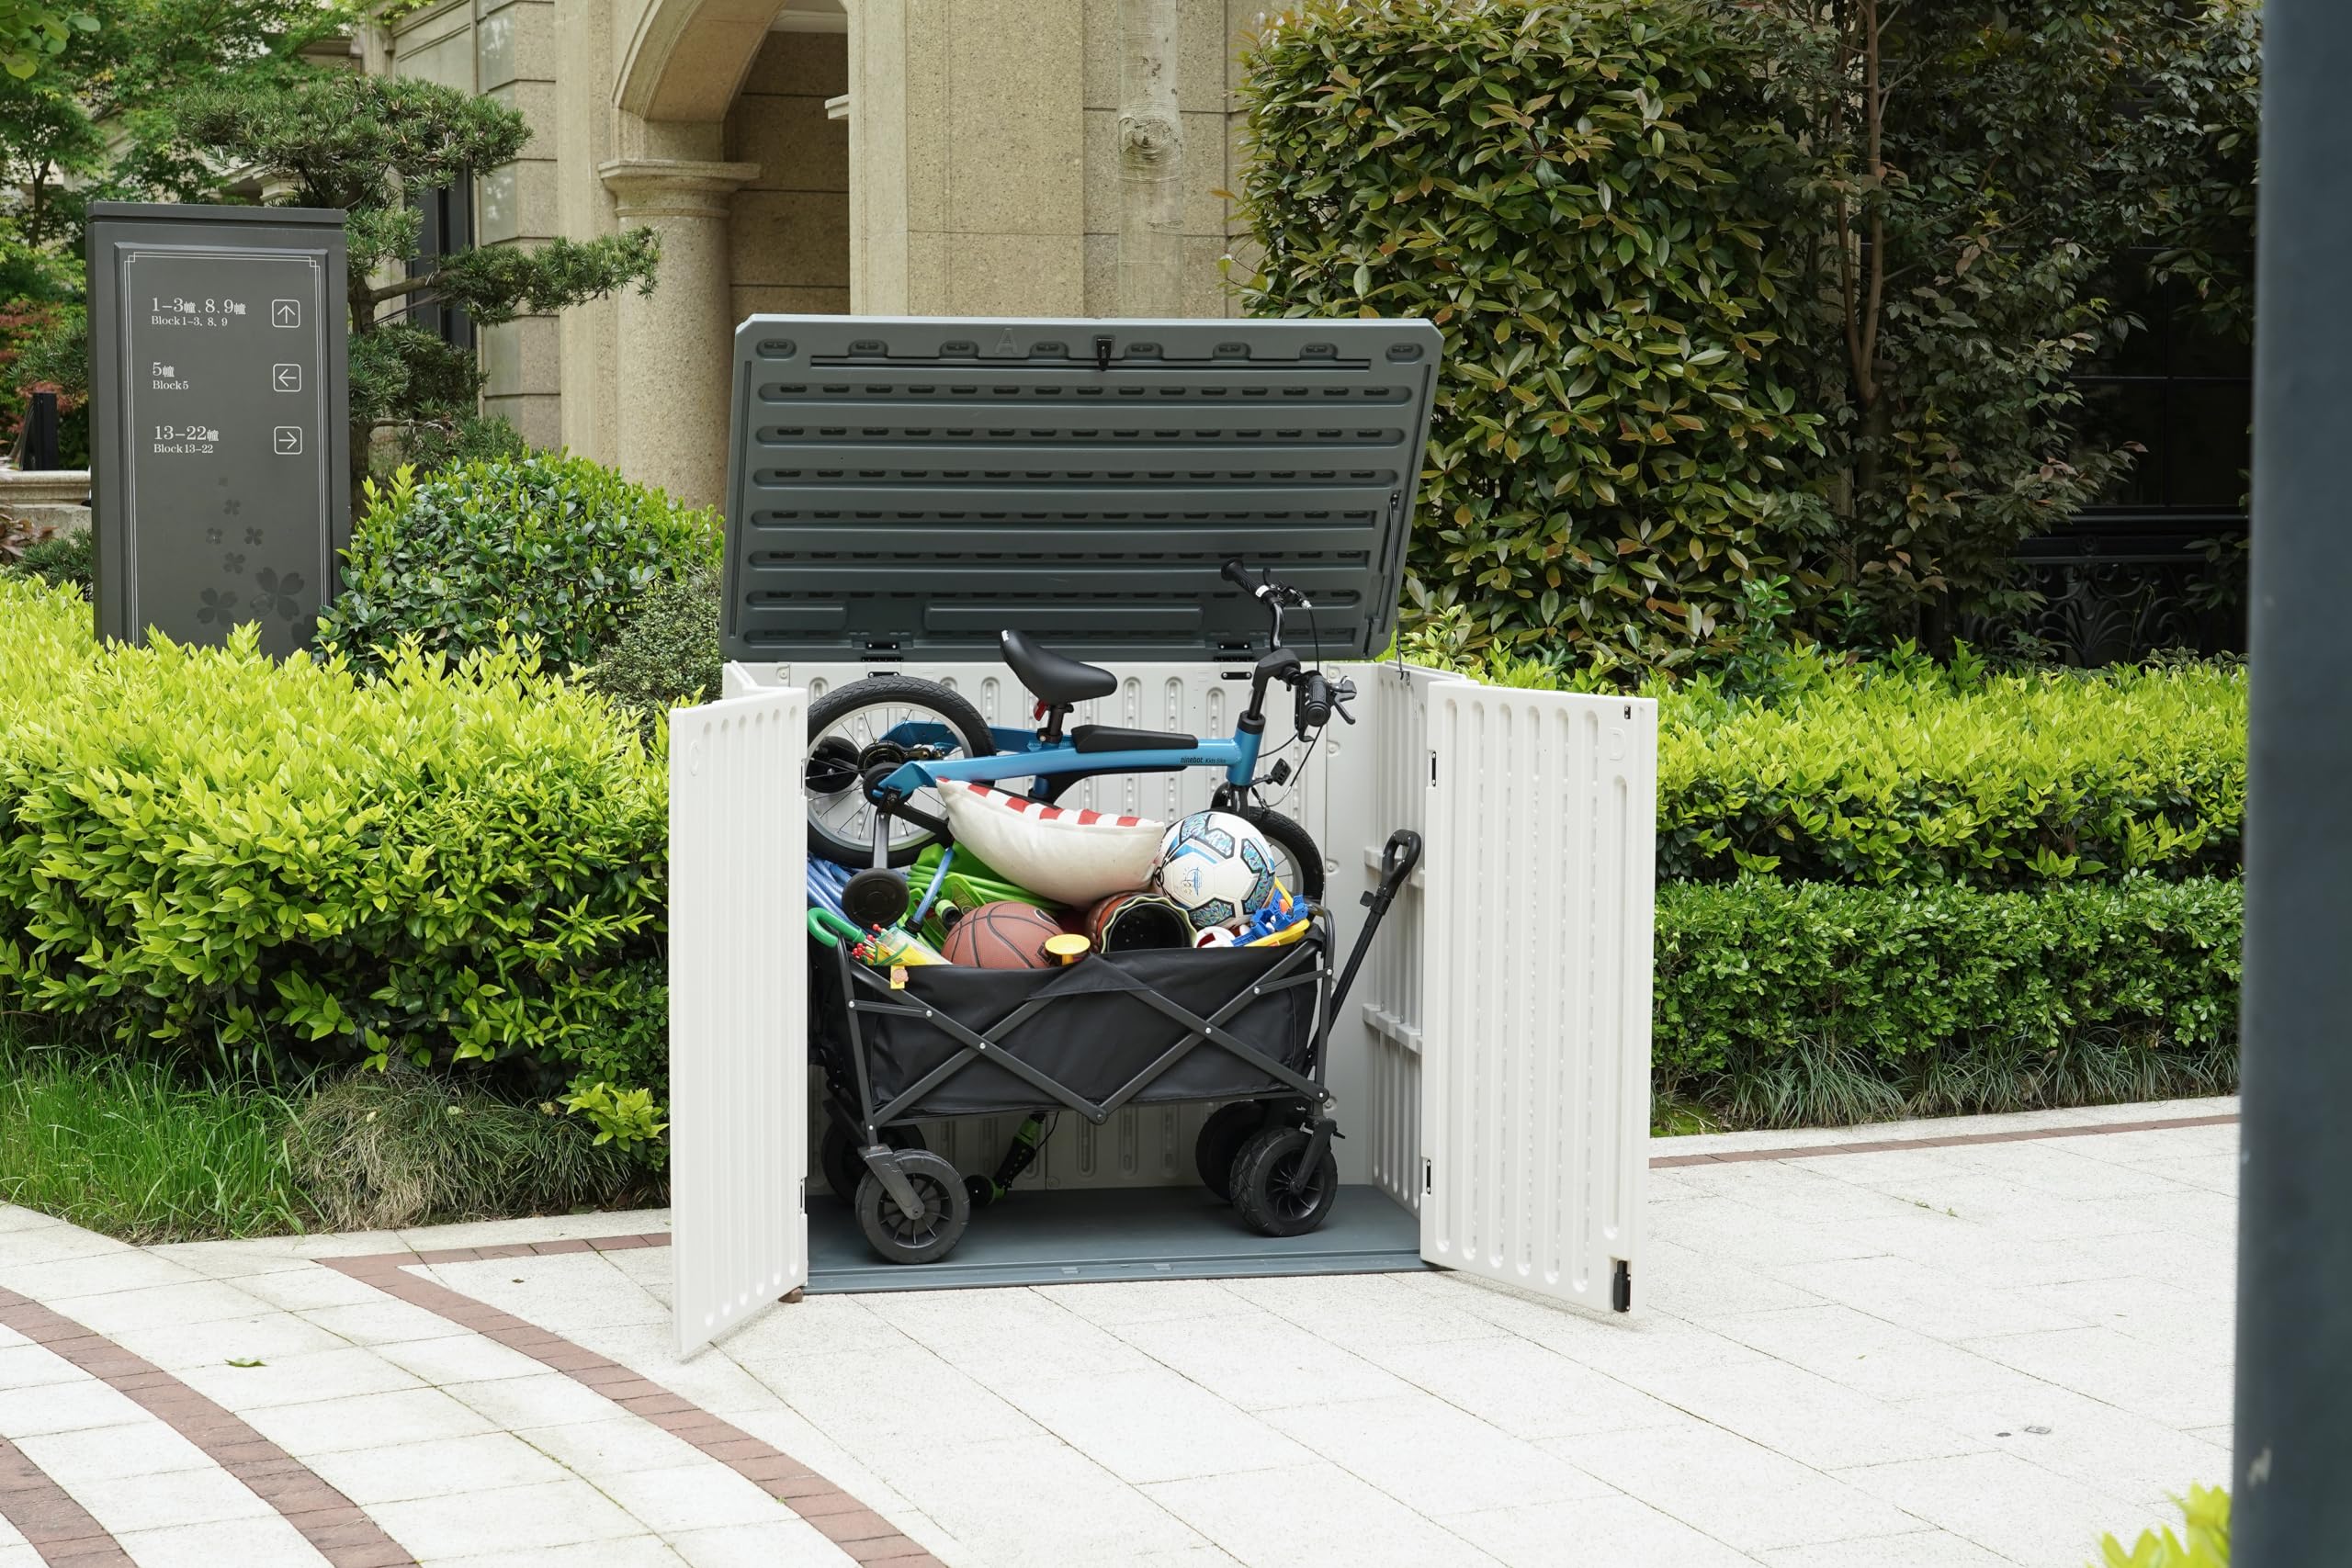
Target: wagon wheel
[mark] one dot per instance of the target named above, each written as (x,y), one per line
(943,1210)
(845,1167)
(1273,1195)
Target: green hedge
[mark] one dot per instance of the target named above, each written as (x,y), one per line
(457,865)
(548,549)
(1915,775)
(1780,1005)
(1592,202)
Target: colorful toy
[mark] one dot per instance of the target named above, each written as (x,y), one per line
(1072,857)
(1003,935)
(889,947)
(1215,936)
(1217,867)
(1068,947)
(1281,922)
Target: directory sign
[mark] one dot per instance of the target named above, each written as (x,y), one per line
(219,426)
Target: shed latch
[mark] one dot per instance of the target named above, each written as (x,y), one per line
(1620,1289)
(1103,352)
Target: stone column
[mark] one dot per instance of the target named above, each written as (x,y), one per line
(677,344)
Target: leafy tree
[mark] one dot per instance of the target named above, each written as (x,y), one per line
(30,32)
(1981,167)
(1592,201)
(92,120)
(358,142)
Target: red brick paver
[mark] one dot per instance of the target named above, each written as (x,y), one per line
(330,1521)
(858,1530)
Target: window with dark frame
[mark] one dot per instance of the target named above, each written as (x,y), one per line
(2184,392)
(448,228)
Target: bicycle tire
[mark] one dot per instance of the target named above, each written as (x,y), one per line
(875,691)
(1292,840)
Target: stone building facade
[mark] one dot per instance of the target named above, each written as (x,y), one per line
(883,157)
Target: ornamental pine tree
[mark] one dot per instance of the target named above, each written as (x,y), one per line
(360,143)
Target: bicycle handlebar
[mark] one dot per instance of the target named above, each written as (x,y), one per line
(1239,575)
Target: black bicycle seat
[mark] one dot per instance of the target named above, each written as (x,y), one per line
(1052,677)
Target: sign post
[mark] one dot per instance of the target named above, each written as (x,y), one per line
(219,418)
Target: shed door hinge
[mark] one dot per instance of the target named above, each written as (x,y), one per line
(1620,1289)
(1428,1178)
(1432,770)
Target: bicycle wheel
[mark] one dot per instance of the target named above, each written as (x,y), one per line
(1299,861)
(860,733)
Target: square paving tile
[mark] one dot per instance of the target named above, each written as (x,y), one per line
(508,1520)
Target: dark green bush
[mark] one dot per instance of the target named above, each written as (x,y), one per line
(1592,200)
(378,1151)
(1786,1005)
(433,444)
(460,866)
(68,559)
(552,550)
(666,653)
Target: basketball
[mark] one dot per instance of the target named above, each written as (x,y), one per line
(1002,935)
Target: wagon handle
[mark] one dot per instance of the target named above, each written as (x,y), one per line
(1398,858)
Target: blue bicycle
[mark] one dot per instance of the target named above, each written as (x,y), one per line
(878,748)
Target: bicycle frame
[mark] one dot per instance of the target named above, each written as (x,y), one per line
(1022,753)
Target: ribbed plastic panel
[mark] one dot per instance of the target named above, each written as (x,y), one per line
(1535,1042)
(1389,989)
(738,1011)
(913,486)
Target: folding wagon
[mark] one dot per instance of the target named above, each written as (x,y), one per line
(902,491)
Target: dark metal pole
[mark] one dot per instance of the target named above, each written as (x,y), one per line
(2293,1470)
(40,432)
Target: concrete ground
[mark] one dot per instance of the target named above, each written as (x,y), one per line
(1946,1354)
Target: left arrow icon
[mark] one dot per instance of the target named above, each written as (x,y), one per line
(286,378)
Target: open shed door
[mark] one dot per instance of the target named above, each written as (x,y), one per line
(739,1010)
(1535,1054)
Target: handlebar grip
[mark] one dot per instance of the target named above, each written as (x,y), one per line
(1315,702)
(1239,575)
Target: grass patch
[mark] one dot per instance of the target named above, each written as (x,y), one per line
(137,1150)
(377,1151)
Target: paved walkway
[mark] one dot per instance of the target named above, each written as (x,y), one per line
(1982,1346)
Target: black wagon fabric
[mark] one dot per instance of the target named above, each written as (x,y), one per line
(1095,1033)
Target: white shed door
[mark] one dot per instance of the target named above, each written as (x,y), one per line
(738,1048)
(1535,1052)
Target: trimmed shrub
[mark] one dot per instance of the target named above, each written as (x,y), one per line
(1906,773)
(551,550)
(1592,201)
(2204,1543)
(459,865)
(666,654)
(1785,1005)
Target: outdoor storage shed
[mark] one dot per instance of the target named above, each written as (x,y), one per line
(900,490)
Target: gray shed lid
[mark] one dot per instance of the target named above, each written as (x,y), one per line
(909,486)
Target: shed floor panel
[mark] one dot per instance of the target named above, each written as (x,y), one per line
(1131,1233)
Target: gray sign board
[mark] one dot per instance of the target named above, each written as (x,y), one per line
(220,424)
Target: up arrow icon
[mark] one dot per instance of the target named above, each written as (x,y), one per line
(285,312)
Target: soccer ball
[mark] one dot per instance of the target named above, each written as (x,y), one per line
(1217,867)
